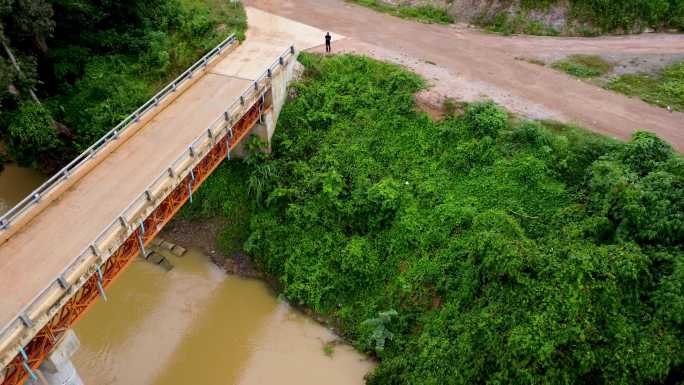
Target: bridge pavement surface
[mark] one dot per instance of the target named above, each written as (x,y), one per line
(467,64)
(36,254)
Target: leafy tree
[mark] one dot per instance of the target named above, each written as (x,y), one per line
(31,133)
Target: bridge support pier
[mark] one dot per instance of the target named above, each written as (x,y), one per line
(263,129)
(57,369)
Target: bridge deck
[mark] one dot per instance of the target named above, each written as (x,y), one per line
(36,254)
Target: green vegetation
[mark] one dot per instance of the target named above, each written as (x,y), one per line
(663,89)
(583,66)
(478,249)
(587,17)
(424,13)
(329,348)
(508,24)
(93,63)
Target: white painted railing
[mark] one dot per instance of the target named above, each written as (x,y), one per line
(37,312)
(60,177)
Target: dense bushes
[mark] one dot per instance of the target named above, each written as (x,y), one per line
(93,63)
(30,134)
(587,17)
(474,250)
(424,13)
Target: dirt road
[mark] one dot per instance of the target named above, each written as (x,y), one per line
(468,65)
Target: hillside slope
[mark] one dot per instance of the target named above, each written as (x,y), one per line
(566,17)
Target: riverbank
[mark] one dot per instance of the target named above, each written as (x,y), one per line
(432,244)
(195,324)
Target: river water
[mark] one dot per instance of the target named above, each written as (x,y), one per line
(16,183)
(197,325)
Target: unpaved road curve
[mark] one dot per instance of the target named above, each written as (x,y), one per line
(487,62)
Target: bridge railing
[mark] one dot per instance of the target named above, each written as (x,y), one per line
(51,184)
(49,301)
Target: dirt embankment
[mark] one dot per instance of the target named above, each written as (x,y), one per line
(203,235)
(470,11)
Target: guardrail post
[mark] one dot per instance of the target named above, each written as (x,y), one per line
(192,151)
(226,116)
(95,250)
(63,282)
(270,73)
(292,50)
(256,86)
(281,61)
(26,320)
(171,173)
(148,195)
(242,100)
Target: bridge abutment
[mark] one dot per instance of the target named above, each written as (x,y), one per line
(58,369)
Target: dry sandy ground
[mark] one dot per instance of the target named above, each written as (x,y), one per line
(466,64)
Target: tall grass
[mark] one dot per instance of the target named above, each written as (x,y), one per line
(424,13)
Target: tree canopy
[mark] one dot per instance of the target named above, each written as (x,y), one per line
(91,63)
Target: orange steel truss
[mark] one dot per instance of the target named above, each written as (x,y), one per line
(42,343)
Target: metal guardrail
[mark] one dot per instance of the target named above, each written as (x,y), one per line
(100,250)
(52,183)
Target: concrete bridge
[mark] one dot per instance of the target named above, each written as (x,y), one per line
(64,244)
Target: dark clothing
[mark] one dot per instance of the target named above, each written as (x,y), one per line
(328,39)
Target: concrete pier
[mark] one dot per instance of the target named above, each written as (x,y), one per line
(58,369)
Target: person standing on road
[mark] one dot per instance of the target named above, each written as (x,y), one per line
(328,39)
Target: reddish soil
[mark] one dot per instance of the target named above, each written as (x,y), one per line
(466,64)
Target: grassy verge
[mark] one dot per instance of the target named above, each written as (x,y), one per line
(582,17)
(583,66)
(477,249)
(424,14)
(663,89)
(508,24)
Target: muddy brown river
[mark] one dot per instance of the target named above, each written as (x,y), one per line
(196,325)
(16,183)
